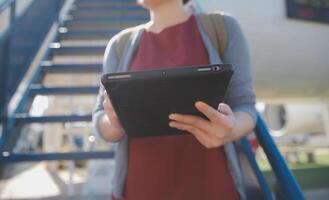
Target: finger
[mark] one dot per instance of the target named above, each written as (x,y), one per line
(186,127)
(113,114)
(104,94)
(201,136)
(192,120)
(108,103)
(109,110)
(225,109)
(106,97)
(112,117)
(107,106)
(211,113)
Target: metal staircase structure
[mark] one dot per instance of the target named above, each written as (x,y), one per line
(84,31)
(82,34)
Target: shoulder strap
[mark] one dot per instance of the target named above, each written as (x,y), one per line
(214,26)
(123,38)
(122,41)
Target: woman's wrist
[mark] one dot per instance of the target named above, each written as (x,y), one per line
(243,126)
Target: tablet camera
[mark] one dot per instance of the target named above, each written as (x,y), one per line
(216,68)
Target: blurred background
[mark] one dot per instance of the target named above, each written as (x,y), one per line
(50,64)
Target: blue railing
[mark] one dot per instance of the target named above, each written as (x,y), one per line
(16,53)
(286,181)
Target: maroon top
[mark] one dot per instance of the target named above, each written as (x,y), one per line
(175,167)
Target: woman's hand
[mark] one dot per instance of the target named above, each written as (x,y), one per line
(110,124)
(212,133)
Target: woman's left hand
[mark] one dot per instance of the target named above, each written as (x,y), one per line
(211,133)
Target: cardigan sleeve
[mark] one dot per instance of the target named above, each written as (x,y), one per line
(110,64)
(240,94)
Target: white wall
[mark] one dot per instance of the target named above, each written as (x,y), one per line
(290,57)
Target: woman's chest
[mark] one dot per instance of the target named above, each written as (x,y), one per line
(175,47)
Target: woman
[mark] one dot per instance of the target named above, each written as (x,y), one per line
(201,165)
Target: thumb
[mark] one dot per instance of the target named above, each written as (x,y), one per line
(224,109)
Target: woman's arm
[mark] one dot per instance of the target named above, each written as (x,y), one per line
(236,118)
(109,124)
(105,122)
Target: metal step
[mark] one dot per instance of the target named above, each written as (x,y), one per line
(87,34)
(90,24)
(24,118)
(108,6)
(92,4)
(42,90)
(106,13)
(7,157)
(103,19)
(122,9)
(48,67)
(94,27)
(86,50)
(106,0)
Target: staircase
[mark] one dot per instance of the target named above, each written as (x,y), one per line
(71,67)
(74,56)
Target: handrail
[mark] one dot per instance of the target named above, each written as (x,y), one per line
(6,39)
(245,145)
(285,178)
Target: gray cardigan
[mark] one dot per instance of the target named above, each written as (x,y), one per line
(240,95)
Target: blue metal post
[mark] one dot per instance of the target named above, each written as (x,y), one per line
(260,177)
(6,63)
(286,180)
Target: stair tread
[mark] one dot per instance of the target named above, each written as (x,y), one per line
(77,90)
(36,156)
(106,19)
(85,50)
(107,6)
(106,13)
(69,68)
(25,118)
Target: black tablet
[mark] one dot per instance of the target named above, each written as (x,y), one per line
(143,100)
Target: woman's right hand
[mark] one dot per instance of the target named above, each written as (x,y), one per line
(113,129)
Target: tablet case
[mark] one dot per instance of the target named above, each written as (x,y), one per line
(143,100)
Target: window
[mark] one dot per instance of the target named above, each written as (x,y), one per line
(312,10)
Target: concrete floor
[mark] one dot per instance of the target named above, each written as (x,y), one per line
(37,181)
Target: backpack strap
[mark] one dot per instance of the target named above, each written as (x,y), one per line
(214,26)
(122,41)
(124,36)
